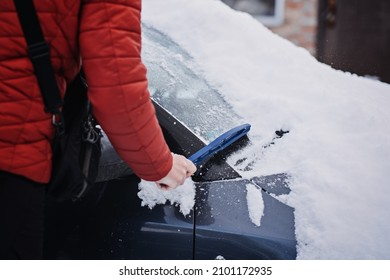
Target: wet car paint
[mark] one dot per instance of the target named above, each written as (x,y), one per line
(112,224)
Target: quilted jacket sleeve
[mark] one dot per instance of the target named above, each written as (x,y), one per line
(110,45)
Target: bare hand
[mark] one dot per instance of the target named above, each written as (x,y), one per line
(182,168)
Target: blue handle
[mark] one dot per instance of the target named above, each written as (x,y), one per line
(220,143)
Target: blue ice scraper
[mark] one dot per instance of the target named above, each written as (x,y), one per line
(220,143)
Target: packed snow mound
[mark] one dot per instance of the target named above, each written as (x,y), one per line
(183,196)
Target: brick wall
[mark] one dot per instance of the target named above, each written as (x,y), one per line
(300,23)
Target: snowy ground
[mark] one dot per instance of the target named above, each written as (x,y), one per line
(338,148)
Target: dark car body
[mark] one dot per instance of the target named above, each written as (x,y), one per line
(110,222)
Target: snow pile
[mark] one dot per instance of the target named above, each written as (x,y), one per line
(183,197)
(255,204)
(338,149)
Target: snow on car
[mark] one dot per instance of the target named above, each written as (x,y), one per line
(337,151)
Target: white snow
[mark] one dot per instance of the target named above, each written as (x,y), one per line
(183,196)
(338,149)
(255,204)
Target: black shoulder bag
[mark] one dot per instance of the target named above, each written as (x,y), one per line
(77,144)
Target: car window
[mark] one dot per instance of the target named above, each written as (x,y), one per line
(187,98)
(174,84)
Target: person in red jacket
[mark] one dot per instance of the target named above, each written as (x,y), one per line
(105,36)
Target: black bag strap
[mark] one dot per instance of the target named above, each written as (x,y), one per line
(39,53)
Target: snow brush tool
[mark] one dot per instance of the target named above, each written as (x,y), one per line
(220,143)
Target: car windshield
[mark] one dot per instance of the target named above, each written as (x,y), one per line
(174,84)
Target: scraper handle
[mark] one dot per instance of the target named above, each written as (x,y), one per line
(220,143)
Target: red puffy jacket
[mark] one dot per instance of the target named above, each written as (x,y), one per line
(106,36)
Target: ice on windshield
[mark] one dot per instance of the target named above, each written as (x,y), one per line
(184,93)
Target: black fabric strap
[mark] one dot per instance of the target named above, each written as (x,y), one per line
(39,53)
